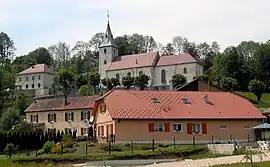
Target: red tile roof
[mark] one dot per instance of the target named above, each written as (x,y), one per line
(175,59)
(133,61)
(57,103)
(130,104)
(38,68)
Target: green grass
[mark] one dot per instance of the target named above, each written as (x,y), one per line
(265,101)
(259,164)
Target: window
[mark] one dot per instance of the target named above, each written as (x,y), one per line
(140,73)
(34,118)
(38,85)
(33,78)
(68,130)
(52,117)
(114,51)
(105,51)
(106,36)
(69,116)
(26,86)
(26,78)
(155,100)
(85,115)
(247,127)
(163,76)
(102,108)
(129,74)
(196,128)
(185,70)
(84,131)
(223,126)
(105,62)
(177,127)
(159,127)
(39,77)
(33,86)
(117,76)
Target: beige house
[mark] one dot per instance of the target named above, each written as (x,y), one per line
(53,113)
(141,116)
(37,78)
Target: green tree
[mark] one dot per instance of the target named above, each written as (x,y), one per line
(94,80)
(169,50)
(10,149)
(10,117)
(85,90)
(107,82)
(127,81)
(61,54)
(7,49)
(257,87)
(178,80)
(141,81)
(65,79)
(115,82)
(229,83)
(81,79)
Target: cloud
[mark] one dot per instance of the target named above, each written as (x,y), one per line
(32,23)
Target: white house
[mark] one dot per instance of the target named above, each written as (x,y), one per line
(38,78)
(159,68)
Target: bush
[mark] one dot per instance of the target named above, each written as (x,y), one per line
(9,149)
(164,145)
(56,149)
(69,150)
(48,146)
(127,145)
(147,147)
(40,152)
(68,143)
(114,147)
(66,137)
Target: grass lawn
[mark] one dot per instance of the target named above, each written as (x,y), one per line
(259,164)
(265,101)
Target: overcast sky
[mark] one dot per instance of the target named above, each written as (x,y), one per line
(35,23)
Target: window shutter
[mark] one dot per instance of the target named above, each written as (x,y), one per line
(37,118)
(54,118)
(81,131)
(102,130)
(98,131)
(81,115)
(31,118)
(167,127)
(189,128)
(72,116)
(66,117)
(151,127)
(89,115)
(204,128)
(111,128)
(107,130)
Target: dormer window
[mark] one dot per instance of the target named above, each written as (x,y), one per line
(106,36)
(102,108)
(105,51)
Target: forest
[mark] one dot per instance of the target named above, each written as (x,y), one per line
(245,67)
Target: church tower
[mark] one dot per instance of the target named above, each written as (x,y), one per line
(107,51)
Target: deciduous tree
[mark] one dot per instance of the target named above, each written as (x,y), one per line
(178,80)
(257,87)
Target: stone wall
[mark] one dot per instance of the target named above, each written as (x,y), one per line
(225,149)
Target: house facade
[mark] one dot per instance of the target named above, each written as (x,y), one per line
(54,114)
(141,116)
(159,68)
(37,78)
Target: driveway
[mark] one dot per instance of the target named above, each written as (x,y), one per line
(207,162)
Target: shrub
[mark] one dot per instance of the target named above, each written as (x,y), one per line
(147,147)
(40,152)
(164,145)
(9,149)
(127,145)
(48,146)
(56,149)
(68,143)
(114,147)
(66,137)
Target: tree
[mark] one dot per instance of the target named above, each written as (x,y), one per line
(81,79)
(141,81)
(229,83)
(190,47)
(128,81)
(178,80)
(61,54)
(65,79)
(96,40)
(115,82)
(169,49)
(10,149)
(7,48)
(85,90)
(10,117)
(249,155)
(178,44)
(42,56)
(257,87)
(94,80)
(107,82)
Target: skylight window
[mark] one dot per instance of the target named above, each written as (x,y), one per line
(185,101)
(155,100)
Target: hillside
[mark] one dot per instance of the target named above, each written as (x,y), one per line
(265,102)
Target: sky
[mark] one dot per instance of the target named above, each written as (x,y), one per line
(41,23)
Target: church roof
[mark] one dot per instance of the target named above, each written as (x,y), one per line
(175,59)
(108,38)
(133,61)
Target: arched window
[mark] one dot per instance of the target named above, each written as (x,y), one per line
(185,70)
(105,62)
(105,50)
(140,73)
(129,74)
(163,76)
(117,76)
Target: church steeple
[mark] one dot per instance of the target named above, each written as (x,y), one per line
(108,38)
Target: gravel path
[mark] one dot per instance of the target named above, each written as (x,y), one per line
(207,162)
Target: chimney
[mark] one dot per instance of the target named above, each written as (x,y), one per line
(205,98)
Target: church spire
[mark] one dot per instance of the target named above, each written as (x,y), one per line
(108,38)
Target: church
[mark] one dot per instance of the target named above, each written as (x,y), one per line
(159,68)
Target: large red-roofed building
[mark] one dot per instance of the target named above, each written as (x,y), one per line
(141,116)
